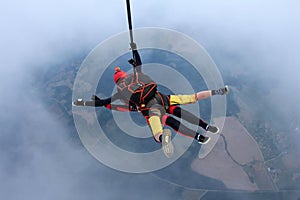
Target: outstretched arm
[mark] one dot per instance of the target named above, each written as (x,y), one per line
(121,108)
(97,102)
(136,61)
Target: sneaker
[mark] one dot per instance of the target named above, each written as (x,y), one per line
(212,129)
(167,145)
(222,91)
(203,139)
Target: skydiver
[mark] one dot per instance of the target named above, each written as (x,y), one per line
(156,107)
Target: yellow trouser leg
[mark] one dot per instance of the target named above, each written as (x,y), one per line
(156,127)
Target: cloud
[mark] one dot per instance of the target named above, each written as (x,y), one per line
(37,158)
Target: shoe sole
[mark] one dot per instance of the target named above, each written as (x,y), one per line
(227,89)
(167,145)
(205,141)
(216,131)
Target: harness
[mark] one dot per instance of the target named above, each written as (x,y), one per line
(137,89)
(158,102)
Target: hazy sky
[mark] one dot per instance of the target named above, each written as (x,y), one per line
(263,36)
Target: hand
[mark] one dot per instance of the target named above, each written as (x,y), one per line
(131,61)
(97,101)
(94,98)
(133,46)
(78,102)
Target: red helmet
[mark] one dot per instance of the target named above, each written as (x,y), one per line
(119,74)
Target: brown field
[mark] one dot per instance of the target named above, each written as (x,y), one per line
(231,170)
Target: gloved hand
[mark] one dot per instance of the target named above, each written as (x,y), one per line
(133,46)
(78,102)
(131,61)
(94,98)
(97,101)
